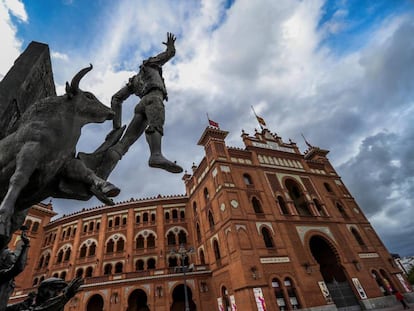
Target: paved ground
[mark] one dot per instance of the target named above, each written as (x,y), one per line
(397,307)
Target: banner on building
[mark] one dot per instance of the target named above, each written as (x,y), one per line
(233,303)
(404,283)
(220,304)
(260,301)
(325,292)
(359,288)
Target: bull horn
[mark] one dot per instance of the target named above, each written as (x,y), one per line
(74,85)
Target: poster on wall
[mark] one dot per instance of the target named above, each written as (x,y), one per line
(260,301)
(404,283)
(359,288)
(325,292)
(233,303)
(220,304)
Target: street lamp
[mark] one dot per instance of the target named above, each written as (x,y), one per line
(183,252)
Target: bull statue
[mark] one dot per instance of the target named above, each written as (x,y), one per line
(37,160)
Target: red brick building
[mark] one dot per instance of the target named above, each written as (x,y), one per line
(271,229)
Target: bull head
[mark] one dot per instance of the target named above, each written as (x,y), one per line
(73,88)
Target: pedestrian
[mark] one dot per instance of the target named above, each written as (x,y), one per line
(400,298)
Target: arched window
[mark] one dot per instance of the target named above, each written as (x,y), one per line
(216,250)
(299,199)
(171,238)
(91,226)
(140,242)
(124,221)
(285,294)
(151,263)
(198,232)
(206,195)
(119,267)
(282,205)
(82,252)
(28,224)
(63,275)
(202,258)
(139,265)
(107,269)
(92,249)
(257,207)
(88,272)
(47,259)
(182,237)
(153,217)
(85,228)
(380,282)
(117,221)
(319,207)
(67,232)
(41,262)
(327,187)
(357,237)
(279,295)
(63,234)
(247,180)
(67,254)
(210,220)
(98,225)
(79,273)
(267,238)
(138,219)
(35,226)
(174,214)
(341,209)
(145,217)
(167,216)
(110,223)
(292,294)
(387,282)
(110,246)
(120,245)
(182,214)
(151,241)
(172,261)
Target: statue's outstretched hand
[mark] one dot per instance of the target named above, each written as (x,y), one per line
(73,287)
(170,40)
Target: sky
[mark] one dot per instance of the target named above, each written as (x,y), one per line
(339,71)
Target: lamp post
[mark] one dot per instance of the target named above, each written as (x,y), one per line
(183,252)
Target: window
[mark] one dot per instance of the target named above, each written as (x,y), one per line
(110,223)
(341,210)
(172,262)
(167,216)
(85,228)
(171,238)
(92,249)
(139,265)
(35,226)
(145,217)
(119,267)
(152,217)
(124,221)
(63,275)
(137,219)
(282,205)
(206,195)
(175,214)
(151,241)
(247,180)
(285,294)
(216,250)
(110,246)
(210,220)
(182,214)
(151,263)
(291,292)
(79,273)
(182,237)
(120,245)
(28,224)
(82,252)
(257,206)
(98,225)
(299,199)
(91,226)
(140,242)
(88,272)
(202,258)
(319,207)
(117,221)
(327,187)
(107,269)
(47,259)
(198,232)
(357,237)
(67,254)
(41,262)
(267,238)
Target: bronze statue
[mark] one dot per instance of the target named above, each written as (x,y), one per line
(11,265)
(149,115)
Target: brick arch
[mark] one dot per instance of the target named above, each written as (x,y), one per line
(296,179)
(65,247)
(176,230)
(86,241)
(316,233)
(149,231)
(266,225)
(112,237)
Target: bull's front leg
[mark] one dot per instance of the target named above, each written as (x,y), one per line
(26,162)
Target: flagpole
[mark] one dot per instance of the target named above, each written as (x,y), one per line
(261,126)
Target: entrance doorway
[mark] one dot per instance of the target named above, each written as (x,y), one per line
(179,299)
(96,303)
(137,301)
(333,274)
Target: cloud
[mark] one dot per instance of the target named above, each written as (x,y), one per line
(60,56)
(10,44)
